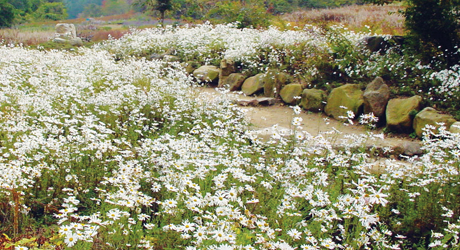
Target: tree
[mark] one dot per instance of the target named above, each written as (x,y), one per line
(20,5)
(6,14)
(246,14)
(75,7)
(433,28)
(159,5)
(114,7)
(51,11)
(92,10)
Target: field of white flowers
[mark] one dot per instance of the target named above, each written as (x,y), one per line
(102,149)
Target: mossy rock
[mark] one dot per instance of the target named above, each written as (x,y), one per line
(348,97)
(290,92)
(376,97)
(207,73)
(430,116)
(274,82)
(313,99)
(227,67)
(234,81)
(253,84)
(398,113)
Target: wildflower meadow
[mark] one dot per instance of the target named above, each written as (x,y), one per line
(102,148)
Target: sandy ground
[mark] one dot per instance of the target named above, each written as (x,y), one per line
(264,118)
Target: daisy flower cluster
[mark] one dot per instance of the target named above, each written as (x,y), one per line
(254,49)
(120,154)
(449,86)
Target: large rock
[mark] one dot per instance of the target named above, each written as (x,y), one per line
(313,99)
(60,40)
(290,93)
(65,31)
(398,113)
(409,148)
(430,116)
(382,44)
(376,97)
(348,97)
(253,84)
(207,73)
(257,101)
(455,128)
(274,82)
(189,66)
(227,67)
(234,81)
(76,42)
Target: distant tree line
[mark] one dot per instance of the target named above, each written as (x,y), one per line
(245,11)
(18,11)
(97,8)
(193,9)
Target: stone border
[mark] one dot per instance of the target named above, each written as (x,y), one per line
(349,101)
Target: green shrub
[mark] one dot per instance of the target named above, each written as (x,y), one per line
(6,14)
(234,11)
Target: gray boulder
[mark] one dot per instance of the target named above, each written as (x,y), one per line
(348,97)
(253,84)
(313,100)
(409,148)
(257,101)
(65,31)
(274,82)
(290,92)
(382,44)
(60,40)
(207,73)
(398,113)
(374,43)
(227,67)
(76,42)
(430,116)
(233,82)
(376,97)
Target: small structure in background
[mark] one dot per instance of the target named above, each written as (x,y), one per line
(66,33)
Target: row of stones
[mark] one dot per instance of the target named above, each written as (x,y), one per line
(402,115)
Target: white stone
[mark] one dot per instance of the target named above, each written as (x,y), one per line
(455,128)
(65,31)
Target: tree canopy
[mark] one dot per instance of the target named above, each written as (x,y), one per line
(51,11)
(155,5)
(18,11)
(6,13)
(75,7)
(433,28)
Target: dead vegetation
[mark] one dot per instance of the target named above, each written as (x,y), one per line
(26,38)
(380,19)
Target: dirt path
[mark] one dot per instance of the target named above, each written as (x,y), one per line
(263,118)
